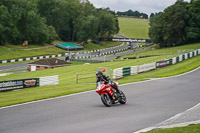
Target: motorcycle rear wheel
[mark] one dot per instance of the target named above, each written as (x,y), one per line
(122,98)
(106,100)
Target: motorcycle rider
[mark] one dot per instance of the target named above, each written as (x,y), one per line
(106,79)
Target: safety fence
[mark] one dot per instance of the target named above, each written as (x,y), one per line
(133,70)
(26,83)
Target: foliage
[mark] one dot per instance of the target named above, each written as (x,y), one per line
(193,29)
(131,13)
(177,25)
(43,21)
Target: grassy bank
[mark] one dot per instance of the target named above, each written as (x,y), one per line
(17,51)
(134,27)
(187,129)
(174,51)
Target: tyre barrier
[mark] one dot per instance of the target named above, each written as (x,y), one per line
(133,70)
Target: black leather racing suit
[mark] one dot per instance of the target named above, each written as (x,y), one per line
(107,80)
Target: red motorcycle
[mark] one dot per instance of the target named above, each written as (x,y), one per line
(109,95)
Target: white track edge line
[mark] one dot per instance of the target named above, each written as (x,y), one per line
(174,125)
(180,114)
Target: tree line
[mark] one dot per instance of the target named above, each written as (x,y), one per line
(176,25)
(131,13)
(43,21)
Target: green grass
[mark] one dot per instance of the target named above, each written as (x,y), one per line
(187,129)
(171,52)
(143,44)
(67,79)
(134,27)
(17,51)
(67,76)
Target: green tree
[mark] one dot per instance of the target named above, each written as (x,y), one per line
(88,29)
(169,28)
(6,25)
(26,22)
(107,24)
(40,21)
(85,9)
(156,29)
(152,15)
(193,29)
(60,14)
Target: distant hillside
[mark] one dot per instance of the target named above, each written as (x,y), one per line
(134,27)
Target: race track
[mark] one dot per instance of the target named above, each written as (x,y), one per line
(149,103)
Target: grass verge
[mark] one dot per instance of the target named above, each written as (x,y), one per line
(187,129)
(174,51)
(67,79)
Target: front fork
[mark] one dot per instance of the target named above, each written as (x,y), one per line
(114,96)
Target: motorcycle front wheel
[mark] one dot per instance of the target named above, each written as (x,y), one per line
(106,100)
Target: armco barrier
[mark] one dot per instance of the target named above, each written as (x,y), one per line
(186,56)
(163,63)
(121,72)
(177,59)
(126,71)
(191,55)
(180,58)
(146,67)
(134,70)
(174,60)
(117,73)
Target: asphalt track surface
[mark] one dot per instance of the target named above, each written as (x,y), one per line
(13,67)
(149,103)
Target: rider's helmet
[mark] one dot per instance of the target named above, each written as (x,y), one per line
(99,74)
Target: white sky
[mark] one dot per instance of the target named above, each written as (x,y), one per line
(144,6)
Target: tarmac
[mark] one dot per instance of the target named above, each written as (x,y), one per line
(188,117)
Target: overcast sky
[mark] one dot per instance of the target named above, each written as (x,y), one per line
(144,6)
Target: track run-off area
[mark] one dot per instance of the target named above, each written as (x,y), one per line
(148,103)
